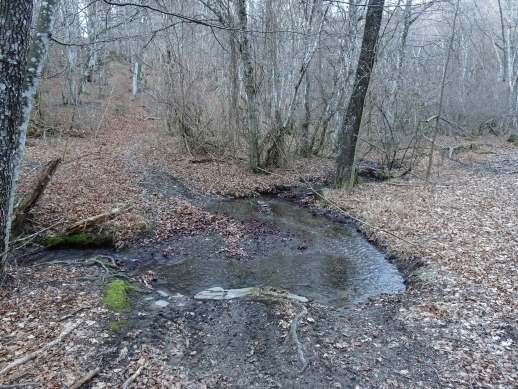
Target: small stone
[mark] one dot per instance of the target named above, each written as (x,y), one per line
(163,293)
(161,303)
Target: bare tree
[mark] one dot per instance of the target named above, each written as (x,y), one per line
(348,136)
(442,90)
(250,86)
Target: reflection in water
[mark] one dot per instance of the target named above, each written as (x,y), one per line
(337,265)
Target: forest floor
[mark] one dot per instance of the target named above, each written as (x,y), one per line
(454,241)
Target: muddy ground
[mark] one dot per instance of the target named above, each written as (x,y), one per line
(242,343)
(188,343)
(454,240)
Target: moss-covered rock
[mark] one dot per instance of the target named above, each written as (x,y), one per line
(81,240)
(116,296)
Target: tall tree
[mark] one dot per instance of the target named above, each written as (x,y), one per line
(348,135)
(20,70)
(442,90)
(250,86)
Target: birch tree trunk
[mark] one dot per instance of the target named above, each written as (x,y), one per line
(348,136)
(20,72)
(15,24)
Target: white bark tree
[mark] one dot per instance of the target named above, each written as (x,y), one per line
(21,66)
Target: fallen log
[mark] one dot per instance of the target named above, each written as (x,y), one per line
(85,224)
(218,293)
(29,199)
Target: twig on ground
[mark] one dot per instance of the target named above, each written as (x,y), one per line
(293,332)
(72,314)
(20,385)
(84,379)
(34,354)
(133,377)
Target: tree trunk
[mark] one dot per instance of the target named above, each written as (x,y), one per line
(348,135)
(441,94)
(19,76)
(15,24)
(305,148)
(250,87)
(235,120)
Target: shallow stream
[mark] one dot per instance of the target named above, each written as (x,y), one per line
(313,256)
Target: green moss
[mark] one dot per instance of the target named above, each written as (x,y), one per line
(116,296)
(81,240)
(117,325)
(513,139)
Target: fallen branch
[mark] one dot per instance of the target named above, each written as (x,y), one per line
(20,385)
(130,380)
(84,379)
(30,198)
(72,314)
(218,293)
(293,333)
(34,354)
(92,221)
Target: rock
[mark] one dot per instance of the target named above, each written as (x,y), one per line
(161,303)
(162,293)
(218,293)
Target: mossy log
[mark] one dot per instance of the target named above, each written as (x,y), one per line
(79,241)
(93,221)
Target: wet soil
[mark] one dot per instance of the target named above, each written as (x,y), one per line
(350,335)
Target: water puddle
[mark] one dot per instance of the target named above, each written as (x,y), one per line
(309,255)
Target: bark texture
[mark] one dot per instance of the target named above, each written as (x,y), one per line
(15,25)
(250,87)
(348,135)
(21,66)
